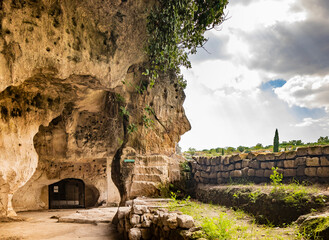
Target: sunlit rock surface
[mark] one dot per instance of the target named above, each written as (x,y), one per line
(65,68)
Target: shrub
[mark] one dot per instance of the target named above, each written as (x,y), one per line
(276,177)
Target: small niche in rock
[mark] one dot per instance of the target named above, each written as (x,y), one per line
(74,22)
(4,112)
(50,102)
(48,49)
(37,100)
(56,23)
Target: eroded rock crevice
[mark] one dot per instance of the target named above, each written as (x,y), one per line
(23,109)
(65,68)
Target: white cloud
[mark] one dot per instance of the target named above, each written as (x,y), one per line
(263,40)
(263,13)
(310,122)
(219,74)
(222,118)
(306,91)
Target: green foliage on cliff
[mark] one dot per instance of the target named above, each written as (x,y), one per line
(176,29)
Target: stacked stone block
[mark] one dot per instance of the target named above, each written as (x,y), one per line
(141,221)
(305,163)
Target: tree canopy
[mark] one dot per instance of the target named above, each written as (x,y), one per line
(176,29)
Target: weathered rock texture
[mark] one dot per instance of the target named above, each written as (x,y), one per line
(309,163)
(66,67)
(144,221)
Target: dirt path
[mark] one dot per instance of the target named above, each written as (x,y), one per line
(39,225)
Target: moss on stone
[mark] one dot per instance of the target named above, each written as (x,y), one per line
(316,227)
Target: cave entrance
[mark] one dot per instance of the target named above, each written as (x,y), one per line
(68,193)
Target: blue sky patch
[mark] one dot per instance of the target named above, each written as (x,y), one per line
(302,112)
(272,84)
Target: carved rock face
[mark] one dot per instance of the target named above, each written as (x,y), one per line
(63,65)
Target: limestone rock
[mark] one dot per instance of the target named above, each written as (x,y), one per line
(245,163)
(302,151)
(289,172)
(316,150)
(135,219)
(289,163)
(236,173)
(259,173)
(123,212)
(135,234)
(323,171)
(185,221)
(172,221)
(311,171)
(291,154)
(316,227)
(312,162)
(63,68)
(324,161)
(251,172)
(139,209)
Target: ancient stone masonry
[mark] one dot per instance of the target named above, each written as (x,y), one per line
(142,221)
(308,163)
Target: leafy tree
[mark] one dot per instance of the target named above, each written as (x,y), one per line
(229,150)
(299,142)
(240,148)
(176,29)
(258,146)
(276,141)
(191,151)
(323,140)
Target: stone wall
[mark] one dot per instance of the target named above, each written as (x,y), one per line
(141,221)
(308,163)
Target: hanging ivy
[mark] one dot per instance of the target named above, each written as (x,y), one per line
(176,29)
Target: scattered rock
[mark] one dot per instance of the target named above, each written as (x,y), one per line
(185,221)
(135,234)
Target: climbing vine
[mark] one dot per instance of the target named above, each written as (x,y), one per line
(176,29)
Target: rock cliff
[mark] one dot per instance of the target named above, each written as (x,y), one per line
(67,69)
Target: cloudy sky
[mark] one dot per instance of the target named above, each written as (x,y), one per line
(267,68)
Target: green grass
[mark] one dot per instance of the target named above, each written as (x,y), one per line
(222,223)
(297,194)
(312,228)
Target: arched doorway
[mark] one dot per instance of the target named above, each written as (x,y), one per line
(68,193)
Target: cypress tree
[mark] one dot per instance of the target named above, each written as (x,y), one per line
(222,151)
(276,141)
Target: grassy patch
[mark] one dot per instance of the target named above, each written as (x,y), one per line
(297,195)
(222,223)
(316,228)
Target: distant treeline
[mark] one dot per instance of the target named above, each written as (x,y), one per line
(284,146)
